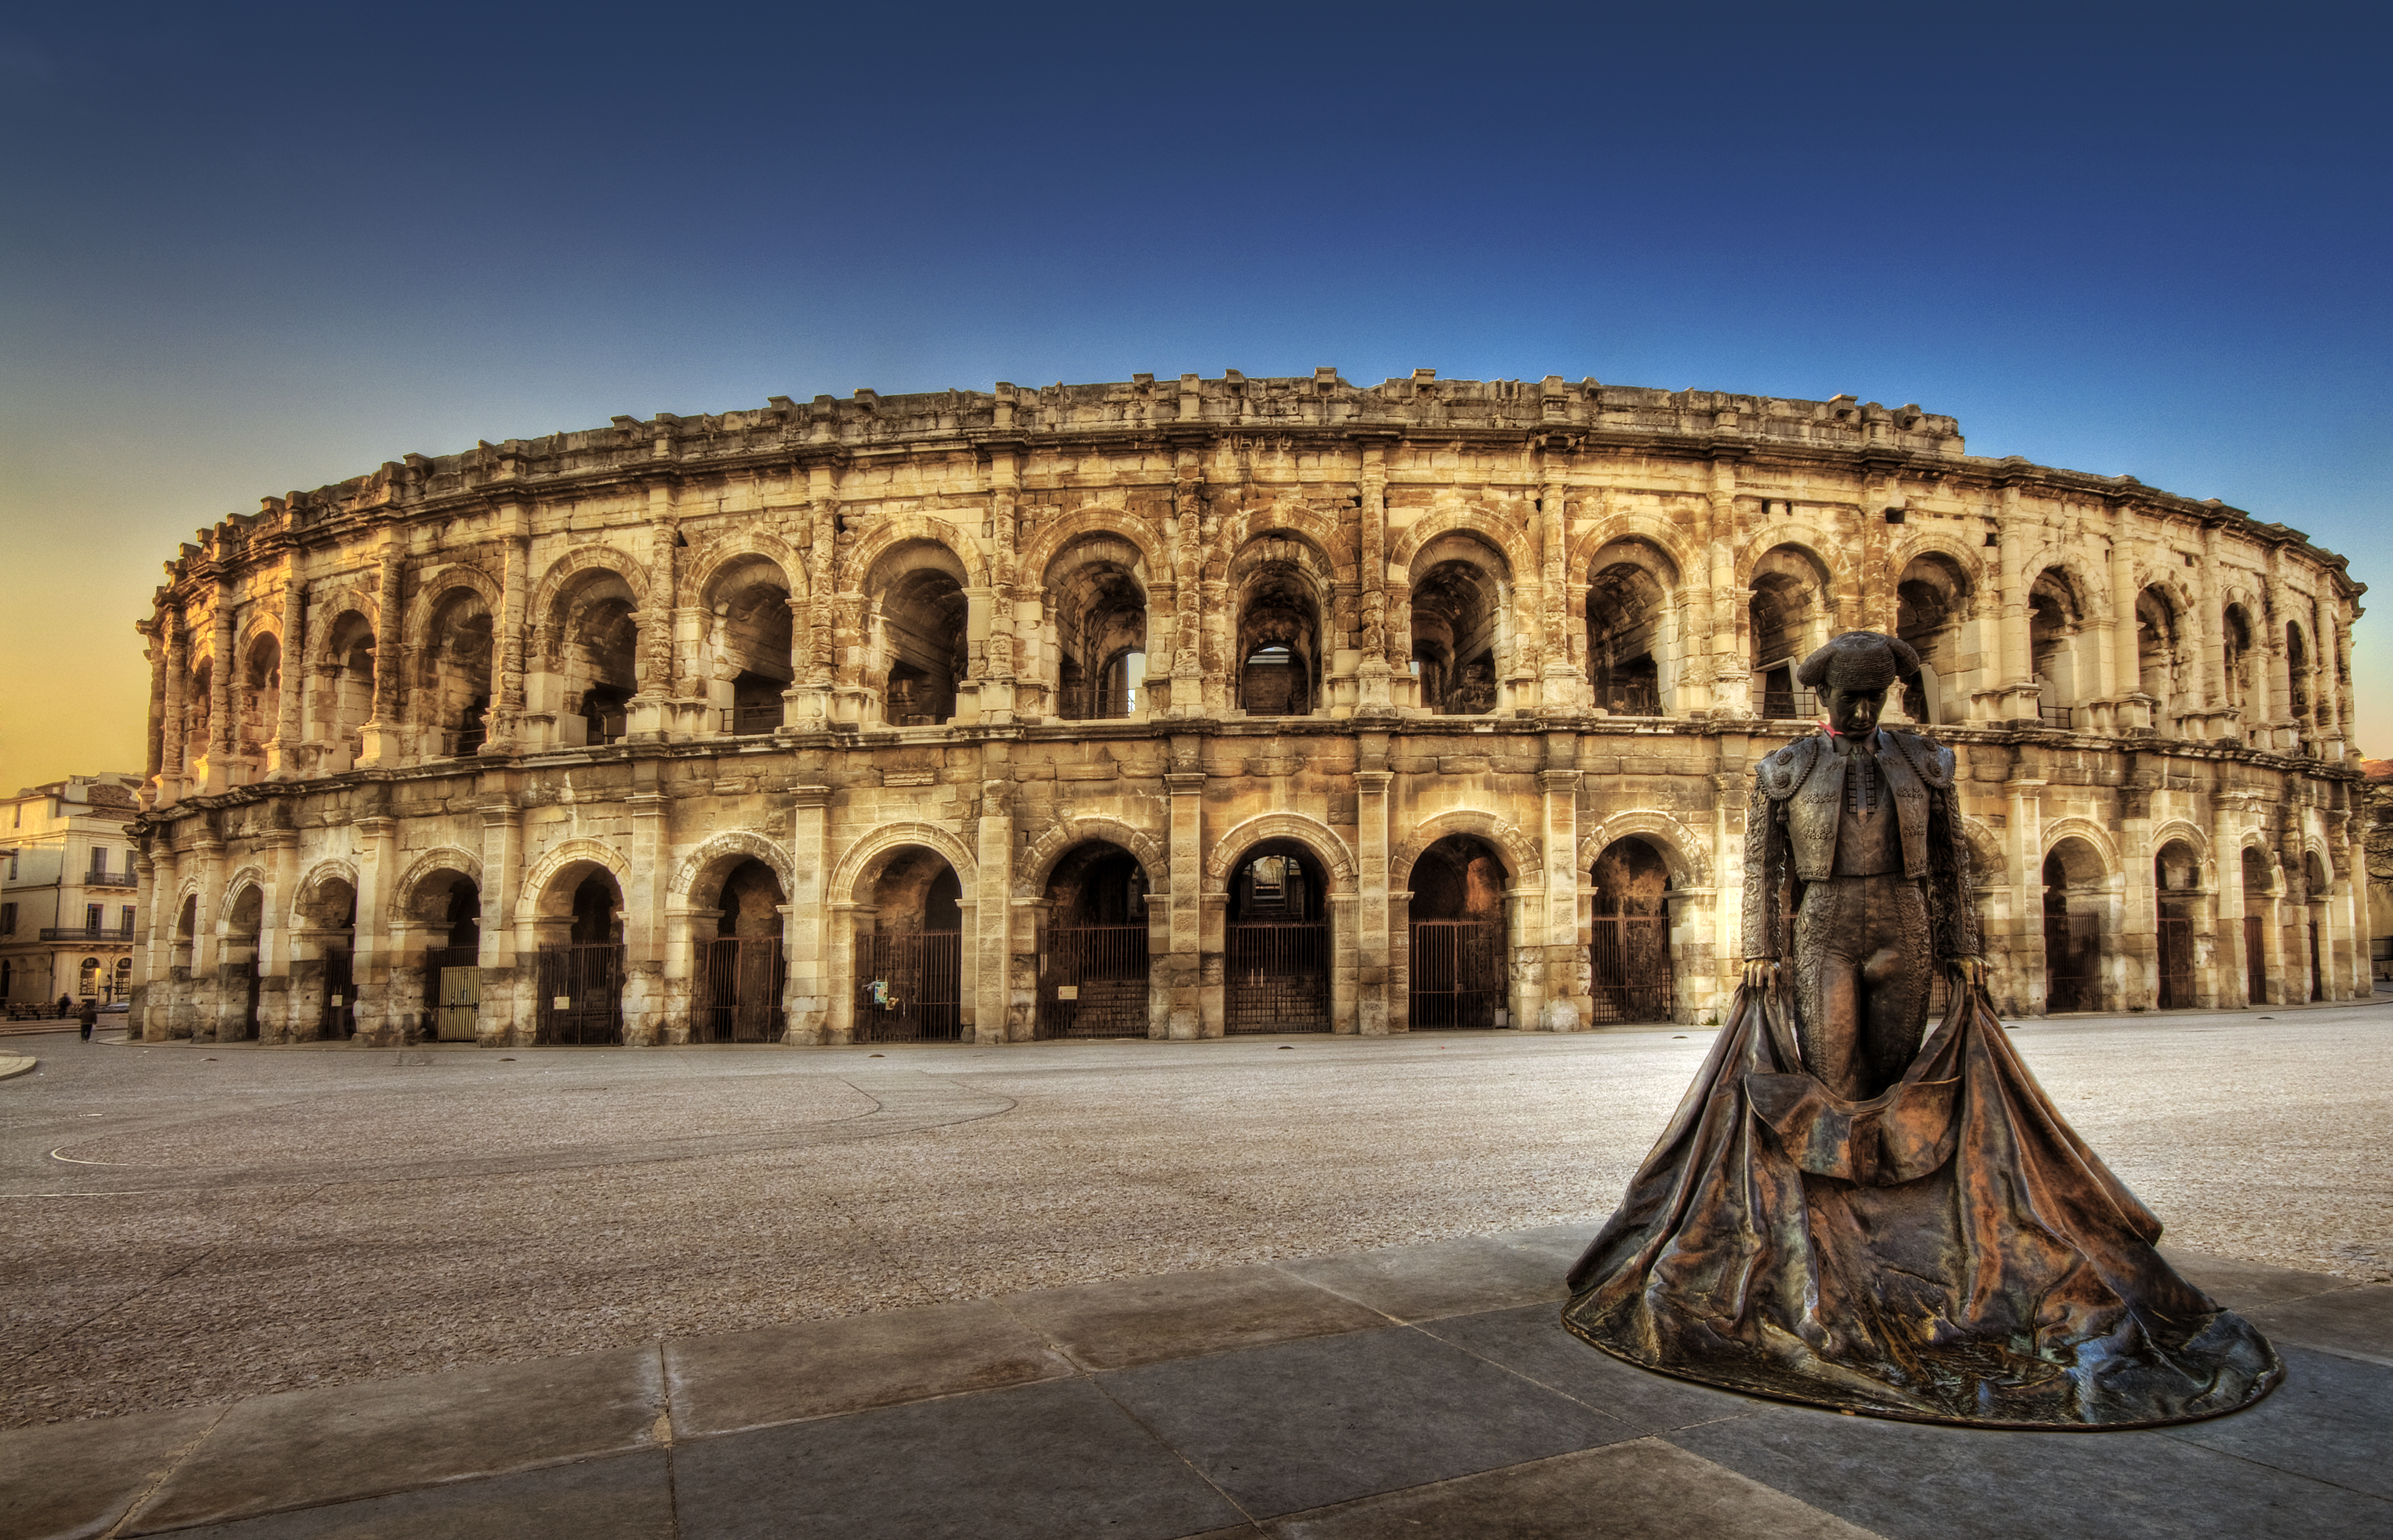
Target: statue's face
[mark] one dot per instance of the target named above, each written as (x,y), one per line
(1854,713)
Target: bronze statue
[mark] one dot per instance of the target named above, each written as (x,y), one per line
(1842,1215)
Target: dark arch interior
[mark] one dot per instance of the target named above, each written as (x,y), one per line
(1458,950)
(1276,965)
(595,901)
(918,891)
(464,913)
(1279,879)
(751,900)
(1631,879)
(1098,883)
(1459,878)
(1630,977)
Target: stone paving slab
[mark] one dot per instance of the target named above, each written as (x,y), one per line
(1270,1401)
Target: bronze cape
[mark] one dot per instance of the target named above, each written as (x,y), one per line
(1948,1251)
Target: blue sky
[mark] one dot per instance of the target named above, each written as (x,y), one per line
(250,249)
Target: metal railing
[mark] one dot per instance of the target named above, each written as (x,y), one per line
(1092,981)
(1629,973)
(1275,975)
(909,987)
(110,879)
(1789,705)
(740,721)
(2057,717)
(1458,977)
(1629,700)
(87,932)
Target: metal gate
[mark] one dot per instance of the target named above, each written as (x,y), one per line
(340,1018)
(1275,977)
(909,987)
(1628,969)
(581,994)
(1457,975)
(451,1005)
(1092,981)
(2177,963)
(2255,966)
(249,1013)
(2318,979)
(739,998)
(2072,962)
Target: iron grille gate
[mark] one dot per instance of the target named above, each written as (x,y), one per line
(437,958)
(2318,979)
(2256,968)
(1275,977)
(581,993)
(2072,958)
(340,994)
(738,990)
(909,987)
(256,970)
(1092,981)
(1457,974)
(1629,973)
(2177,963)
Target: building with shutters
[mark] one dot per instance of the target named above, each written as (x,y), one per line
(69,909)
(1184,707)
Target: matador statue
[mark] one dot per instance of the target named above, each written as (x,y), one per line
(1843,1215)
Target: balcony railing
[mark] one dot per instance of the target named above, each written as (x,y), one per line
(1789,705)
(85,933)
(2057,717)
(1629,700)
(110,879)
(742,720)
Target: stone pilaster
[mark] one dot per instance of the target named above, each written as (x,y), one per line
(1565,1007)
(506,718)
(215,771)
(207,940)
(1374,973)
(1373,674)
(996,1016)
(172,760)
(372,958)
(805,933)
(382,736)
(644,906)
(1195,1007)
(282,749)
(503,1018)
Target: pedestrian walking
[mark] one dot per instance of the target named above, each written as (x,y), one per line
(89,1016)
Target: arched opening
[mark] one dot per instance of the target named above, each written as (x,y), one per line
(237,967)
(919,653)
(2243,679)
(1275,957)
(1093,957)
(120,988)
(1789,618)
(454,675)
(2315,885)
(748,643)
(593,650)
(261,695)
(1278,637)
(909,952)
(187,921)
(1630,973)
(199,703)
(1461,944)
(324,965)
(87,980)
(1627,603)
(2160,656)
(348,698)
(581,956)
(2074,898)
(1931,603)
(2054,618)
(1458,605)
(2177,874)
(2258,883)
(2298,675)
(1098,609)
(449,907)
(741,970)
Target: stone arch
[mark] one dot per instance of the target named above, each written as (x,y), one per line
(572,853)
(1683,850)
(579,561)
(251,875)
(1651,529)
(1244,527)
(1505,537)
(433,588)
(448,858)
(2089,587)
(1944,542)
(869,851)
(1039,860)
(1993,867)
(892,533)
(337,869)
(1055,536)
(1824,548)
(2094,835)
(2316,848)
(1523,862)
(2185,830)
(1097,598)
(724,851)
(1315,835)
(710,559)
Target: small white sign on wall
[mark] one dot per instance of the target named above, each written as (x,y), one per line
(562,1002)
(1067,991)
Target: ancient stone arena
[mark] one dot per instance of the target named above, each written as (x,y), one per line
(1199,707)
(224,1221)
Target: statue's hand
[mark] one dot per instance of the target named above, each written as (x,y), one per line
(1759,971)
(1968,972)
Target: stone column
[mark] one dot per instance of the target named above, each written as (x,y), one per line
(1195,1007)
(2121,675)
(2140,925)
(207,945)
(644,906)
(997,653)
(2026,788)
(146,1017)
(2016,695)
(507,723)
(1562,687)
(1728,672)
(274,997)
(373,953)
(2227,856)
(2282,731)
(2326,724)
(647,716)
(282,752)
(822,504)
(805,930)
(1565,1007)
(382,740)
(216,773)
(1373,673)
(1373,1008)
(995,1016)
(171,752)
(1187,559)
(504,1018)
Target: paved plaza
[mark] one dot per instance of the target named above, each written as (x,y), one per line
(1123,1287)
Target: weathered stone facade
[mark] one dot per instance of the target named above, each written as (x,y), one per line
(887,666)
